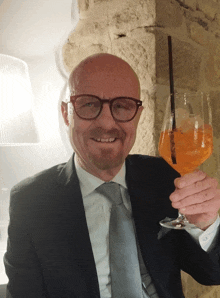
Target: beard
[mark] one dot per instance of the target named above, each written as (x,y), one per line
(106,160)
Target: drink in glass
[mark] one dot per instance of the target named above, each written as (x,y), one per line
(187,134)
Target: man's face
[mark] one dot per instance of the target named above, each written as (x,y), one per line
(117,138)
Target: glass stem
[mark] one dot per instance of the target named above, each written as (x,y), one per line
(181,217)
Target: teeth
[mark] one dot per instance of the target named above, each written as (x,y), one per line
(105,140)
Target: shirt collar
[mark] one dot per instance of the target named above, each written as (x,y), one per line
(88,182)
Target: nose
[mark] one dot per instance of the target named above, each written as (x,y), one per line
(105,118)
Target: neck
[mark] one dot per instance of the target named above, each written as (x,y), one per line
(105,175)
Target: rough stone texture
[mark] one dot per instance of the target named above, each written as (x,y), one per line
(140,45)
(193,289)
(127,15)
(217,18)
(215,106)
(162,94)
(191,3)
(145,141)
(186,63)
(168,14)
(209,7)
(198,34)
(211,166)
(212,65)
(123,14)
(83,5)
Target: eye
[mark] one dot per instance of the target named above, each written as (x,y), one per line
(89,104)
(120,105)
(124,105)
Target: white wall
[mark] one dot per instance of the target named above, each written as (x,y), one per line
(34,31)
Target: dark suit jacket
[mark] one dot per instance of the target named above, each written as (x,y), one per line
(49,253)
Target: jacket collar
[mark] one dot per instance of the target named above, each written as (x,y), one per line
(67,172)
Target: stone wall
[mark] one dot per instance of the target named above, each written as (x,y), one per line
(137,32)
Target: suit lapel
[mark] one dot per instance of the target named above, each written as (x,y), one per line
(80,245)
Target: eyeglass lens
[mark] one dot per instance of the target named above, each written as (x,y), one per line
(88,107)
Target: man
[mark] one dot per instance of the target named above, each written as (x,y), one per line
(60,221)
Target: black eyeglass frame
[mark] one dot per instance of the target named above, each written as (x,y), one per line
(102,101)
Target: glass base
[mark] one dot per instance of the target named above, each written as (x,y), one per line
(178,224)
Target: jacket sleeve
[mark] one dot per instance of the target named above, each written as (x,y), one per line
(21,262)
(203,266)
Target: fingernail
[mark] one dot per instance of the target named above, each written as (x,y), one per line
(182,210)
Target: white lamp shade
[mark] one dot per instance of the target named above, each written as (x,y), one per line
(17,125)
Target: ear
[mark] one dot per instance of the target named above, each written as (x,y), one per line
(138,115)
(64,111)
(140,109)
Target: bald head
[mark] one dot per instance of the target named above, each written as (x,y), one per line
(100,73)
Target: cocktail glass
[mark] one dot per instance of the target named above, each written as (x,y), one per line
(186,139)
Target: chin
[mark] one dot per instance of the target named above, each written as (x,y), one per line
(107,163)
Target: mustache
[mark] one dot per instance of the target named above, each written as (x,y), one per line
(112,133)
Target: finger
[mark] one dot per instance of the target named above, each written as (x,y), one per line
(202,220)
(189,179)
(211,206)
(196,198)
(197,187)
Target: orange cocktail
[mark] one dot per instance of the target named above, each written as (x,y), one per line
(192,147)
(186,139)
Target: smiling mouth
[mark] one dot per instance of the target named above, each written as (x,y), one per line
(110,140)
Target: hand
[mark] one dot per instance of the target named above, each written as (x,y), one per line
(197,196)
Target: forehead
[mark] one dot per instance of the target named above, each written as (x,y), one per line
(105,79)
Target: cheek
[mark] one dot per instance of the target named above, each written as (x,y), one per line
(130,134)
(76,139)
(134,124)
(79,131)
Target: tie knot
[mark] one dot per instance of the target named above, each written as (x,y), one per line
(111,191)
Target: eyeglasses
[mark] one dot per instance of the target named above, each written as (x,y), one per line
(89,107)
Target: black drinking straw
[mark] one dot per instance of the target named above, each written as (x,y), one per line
(172,143)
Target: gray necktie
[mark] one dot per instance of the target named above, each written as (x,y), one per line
(124,264)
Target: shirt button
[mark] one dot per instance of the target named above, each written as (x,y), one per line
(205,239)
